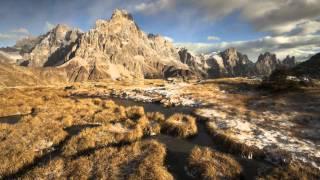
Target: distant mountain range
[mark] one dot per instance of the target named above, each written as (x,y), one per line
(117,49)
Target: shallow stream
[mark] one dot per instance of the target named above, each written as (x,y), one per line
(178,149)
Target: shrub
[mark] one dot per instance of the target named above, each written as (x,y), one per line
(205,163)
(181,125)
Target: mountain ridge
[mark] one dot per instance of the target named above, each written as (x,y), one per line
(117,48)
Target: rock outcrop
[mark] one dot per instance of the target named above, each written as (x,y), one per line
(236,64)
(266,64)
(289,62)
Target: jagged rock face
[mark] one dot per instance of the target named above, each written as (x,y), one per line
(50,49)
(289,62)
(117,48)
(229,63)
(266,64)
(235,63)
(197,64)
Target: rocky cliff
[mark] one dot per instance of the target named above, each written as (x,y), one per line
(266,64)
(50,49)
(236,64)
(289,62)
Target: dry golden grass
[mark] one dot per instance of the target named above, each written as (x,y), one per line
(156,120)
(205,163)
(140,160)
(110,113)
(181,125)
(26,141)
(293,171)
(105,135)
(135,112)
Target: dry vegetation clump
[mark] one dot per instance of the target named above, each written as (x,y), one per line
(156,120)
(61,168)
(135,112)
(181,125)
(111,114)
(205,163)
(27,140)
(293,171)
(140,160)
(124,132)
(5,129)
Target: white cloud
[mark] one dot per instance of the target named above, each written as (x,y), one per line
(153,6)
(213,38)
(4,36)
(301,46)
(276,16)
(21,31)
(168,39)
(14,34)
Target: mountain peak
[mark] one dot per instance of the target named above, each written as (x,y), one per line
(231,50)
(121,13)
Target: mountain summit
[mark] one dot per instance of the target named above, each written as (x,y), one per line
(114,48)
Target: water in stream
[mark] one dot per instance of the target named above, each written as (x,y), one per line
(178,149)
(10,119)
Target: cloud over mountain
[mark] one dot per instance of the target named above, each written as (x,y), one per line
(262,23)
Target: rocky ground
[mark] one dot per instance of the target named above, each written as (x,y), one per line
(82,124)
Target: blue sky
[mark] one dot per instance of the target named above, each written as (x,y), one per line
(284,27)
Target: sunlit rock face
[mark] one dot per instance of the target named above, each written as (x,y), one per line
(117,48)
(50,49)
(114,48)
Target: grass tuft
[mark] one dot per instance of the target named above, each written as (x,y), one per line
(205,163)
(181,125)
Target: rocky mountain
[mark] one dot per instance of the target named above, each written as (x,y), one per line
(197,64)
(266,64)
(27,44)
(114,48)
(229,63)
(308,68)
(289,62)
(117,48)
(50,49)
(236,64)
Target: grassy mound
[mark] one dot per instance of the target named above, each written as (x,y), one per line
(205,163)
(181,125)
